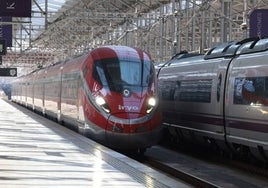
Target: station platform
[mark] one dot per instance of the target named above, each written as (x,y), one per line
(37,152)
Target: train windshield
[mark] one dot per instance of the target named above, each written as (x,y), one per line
(111,72)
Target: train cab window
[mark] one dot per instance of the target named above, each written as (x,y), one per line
(113,72)
(124,73)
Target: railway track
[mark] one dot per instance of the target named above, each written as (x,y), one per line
(199,172)
(179,174)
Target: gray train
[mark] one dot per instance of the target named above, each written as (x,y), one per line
(219,98)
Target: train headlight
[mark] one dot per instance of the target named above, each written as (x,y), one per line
(102,103)
(151,103)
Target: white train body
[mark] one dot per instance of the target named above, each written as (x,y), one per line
(220,97)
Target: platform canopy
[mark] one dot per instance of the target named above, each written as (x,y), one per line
(59,29)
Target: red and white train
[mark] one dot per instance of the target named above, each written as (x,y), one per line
(109,95)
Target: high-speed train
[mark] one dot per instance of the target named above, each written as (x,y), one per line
(109,94)
(219,98)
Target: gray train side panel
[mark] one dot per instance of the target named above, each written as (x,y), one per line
(192,97)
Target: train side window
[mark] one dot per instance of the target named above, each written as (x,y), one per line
(251,91)
(97,67)
(85,71)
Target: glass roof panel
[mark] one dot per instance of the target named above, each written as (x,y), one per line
(39,16)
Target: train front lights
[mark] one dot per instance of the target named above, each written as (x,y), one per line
(102,103)
(151,104)
(152,101)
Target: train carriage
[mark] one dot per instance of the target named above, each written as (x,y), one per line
(219,98)
(109,94)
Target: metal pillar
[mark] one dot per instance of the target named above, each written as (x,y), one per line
(225,20)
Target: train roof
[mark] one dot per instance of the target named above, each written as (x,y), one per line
(120,52)
(184,54)
(224,50)
(257,45)
(180,57)
(230,49)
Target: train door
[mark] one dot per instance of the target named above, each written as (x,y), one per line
(81,117)
(59,118)
(24,93)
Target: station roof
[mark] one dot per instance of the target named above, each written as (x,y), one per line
(59,29)
(64,28)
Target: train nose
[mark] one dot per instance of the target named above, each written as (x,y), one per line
(129,125)
(128,134)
